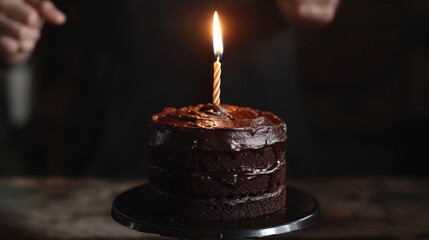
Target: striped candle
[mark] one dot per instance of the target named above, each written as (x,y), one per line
(216,82)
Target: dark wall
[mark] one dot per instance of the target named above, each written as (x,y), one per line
(365,79)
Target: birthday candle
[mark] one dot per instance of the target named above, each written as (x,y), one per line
(218,50)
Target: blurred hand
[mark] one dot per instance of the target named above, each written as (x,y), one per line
(308,13)
(21,22)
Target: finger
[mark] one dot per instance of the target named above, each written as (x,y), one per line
(17,30)
(48,11)
(316,13)
(330,3)
(27,46)
(9,46)
(13,52)
(322,11)
(309,12)
(20,11)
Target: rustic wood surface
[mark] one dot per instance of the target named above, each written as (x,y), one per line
(376,207)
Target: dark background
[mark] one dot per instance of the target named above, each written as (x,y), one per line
(364,82)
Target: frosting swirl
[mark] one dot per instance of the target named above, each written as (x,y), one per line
(208,127)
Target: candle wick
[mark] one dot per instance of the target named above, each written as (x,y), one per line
(218,57)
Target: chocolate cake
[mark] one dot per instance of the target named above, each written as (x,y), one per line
(218,163)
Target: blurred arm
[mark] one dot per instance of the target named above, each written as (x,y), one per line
(21,22)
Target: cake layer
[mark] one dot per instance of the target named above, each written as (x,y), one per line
(227,208)
(206,128)
(218,184)
(215,161)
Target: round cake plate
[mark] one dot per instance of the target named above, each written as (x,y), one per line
(139,208)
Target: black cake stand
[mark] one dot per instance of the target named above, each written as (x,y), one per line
(139,208)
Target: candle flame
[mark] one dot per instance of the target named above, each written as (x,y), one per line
(217,36)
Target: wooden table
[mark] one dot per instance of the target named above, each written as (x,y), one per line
(374,207)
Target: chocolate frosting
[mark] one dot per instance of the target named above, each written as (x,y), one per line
(216,128)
